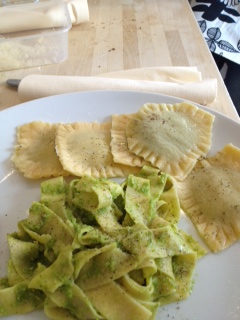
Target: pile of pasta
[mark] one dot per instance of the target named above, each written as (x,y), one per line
(91,248)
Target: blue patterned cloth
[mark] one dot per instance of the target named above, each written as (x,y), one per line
(219,21)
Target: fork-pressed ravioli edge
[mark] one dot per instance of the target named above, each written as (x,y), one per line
(84,149)
(210,197)
(34,154)
(170,137)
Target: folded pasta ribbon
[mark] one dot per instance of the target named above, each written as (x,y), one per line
(76,266)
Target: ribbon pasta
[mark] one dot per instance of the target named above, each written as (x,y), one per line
(94,249)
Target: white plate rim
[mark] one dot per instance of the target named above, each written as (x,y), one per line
(193,308)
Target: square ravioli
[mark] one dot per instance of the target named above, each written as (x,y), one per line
(210,197)
(170,137)
(84,149)
(35,155)
(119,145)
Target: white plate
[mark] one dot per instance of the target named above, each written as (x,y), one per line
(216,292)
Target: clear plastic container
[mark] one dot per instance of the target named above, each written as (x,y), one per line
(33,34)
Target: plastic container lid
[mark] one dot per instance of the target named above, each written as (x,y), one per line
(33,34)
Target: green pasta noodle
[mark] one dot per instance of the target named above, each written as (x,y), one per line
(95,249)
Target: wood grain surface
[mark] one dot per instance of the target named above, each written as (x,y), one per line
(126,34)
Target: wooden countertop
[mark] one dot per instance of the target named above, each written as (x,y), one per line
(126,34)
